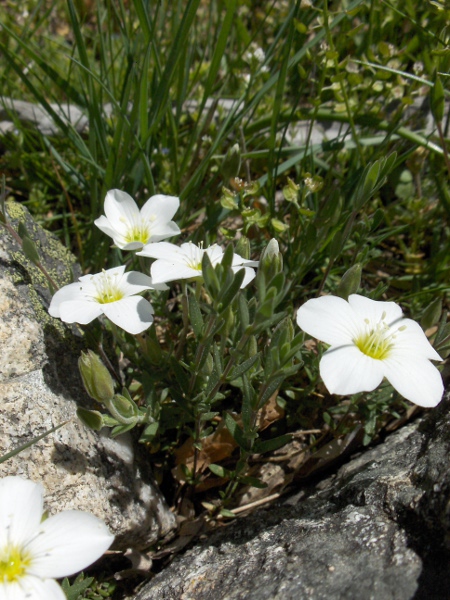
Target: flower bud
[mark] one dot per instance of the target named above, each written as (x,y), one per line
(271,261)
(123,409)
(350,281)
(96,378)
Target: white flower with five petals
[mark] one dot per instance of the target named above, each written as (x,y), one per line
(33,553)
(370,340)
(111,293)
(185,262)
(131,228)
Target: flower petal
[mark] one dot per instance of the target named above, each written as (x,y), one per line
(121,210)
(133,314)
(68,542)
(329,319)
(165,250)
(414,378)
(163,271)
(410,340)
(70,292)
(161,207)
(345,370)
(135,282)
(21,507)
(374,310)
(31,588)
(80,311)
(162,232)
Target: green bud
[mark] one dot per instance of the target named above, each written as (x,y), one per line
(350,282)
(290,191)
(271,261)
(96,377)
(231,163)
(123,409)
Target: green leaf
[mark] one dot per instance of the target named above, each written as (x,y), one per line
(149,432)
(78,587)
(260,447)
(236,432)
(195,315)
(242,368)
(228,294)
(30,250)
(437,97)
(219,471)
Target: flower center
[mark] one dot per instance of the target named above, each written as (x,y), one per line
(13,564)
(107,288)
(138,233)
(194,257)
(376,342)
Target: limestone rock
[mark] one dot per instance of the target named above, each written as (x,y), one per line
(378,529)
(40,388)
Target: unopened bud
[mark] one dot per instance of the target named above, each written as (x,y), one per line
(271,262)
(96,377)
(123,409)
(350,282)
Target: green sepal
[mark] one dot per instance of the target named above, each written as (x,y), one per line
(91,418)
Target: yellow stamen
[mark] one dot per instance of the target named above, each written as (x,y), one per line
(13,564)
(107,289)
(138,233)
(376,342)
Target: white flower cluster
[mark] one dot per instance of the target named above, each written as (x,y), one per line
(113,292)
(368,340)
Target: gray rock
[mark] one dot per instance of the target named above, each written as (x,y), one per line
(378,529)
(40,388)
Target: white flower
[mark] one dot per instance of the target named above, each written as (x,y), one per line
(370,340)
(34,552)
(131,228)
(185,261)
(111,293)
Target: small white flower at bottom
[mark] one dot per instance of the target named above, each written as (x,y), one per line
(112,293)
(33,553)
(370,340)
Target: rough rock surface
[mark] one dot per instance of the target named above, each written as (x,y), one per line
(378,529)
(40,388)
